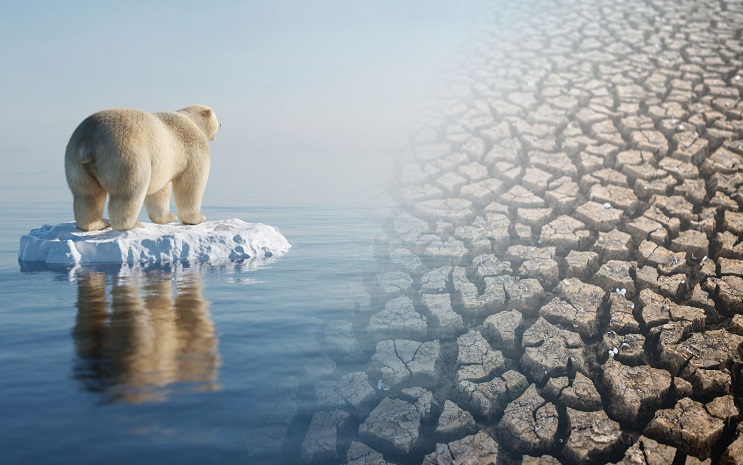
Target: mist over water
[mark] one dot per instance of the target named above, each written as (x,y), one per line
(314,97)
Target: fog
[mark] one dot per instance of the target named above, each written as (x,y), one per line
(314,96)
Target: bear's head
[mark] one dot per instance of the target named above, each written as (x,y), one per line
(204,118)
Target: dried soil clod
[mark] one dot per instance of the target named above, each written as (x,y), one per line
(635,393)
(689,427)
(597,217)
(529,423)
(393,424)
(479,449)
(565,233)
(592,436)
(548,350)
(454,422)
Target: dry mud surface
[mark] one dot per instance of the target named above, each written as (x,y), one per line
(562,281)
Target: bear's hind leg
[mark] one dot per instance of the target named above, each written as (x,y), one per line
(129,182)
(88,200)
(124,209)
(89,211)
(158,206)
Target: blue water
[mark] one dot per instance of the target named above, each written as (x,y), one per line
(171,365)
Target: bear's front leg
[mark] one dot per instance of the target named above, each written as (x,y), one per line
(188,191)
(158,206)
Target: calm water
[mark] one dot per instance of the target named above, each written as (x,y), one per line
(173,365)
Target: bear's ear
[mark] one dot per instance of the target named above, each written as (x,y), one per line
(206,112)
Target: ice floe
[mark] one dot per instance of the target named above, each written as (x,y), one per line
(213,242)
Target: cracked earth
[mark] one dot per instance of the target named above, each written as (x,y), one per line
(562,278)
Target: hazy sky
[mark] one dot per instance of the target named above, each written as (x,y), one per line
(310,93)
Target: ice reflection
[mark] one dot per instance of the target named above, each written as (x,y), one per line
(141,336)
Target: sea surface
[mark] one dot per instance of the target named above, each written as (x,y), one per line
(176,364)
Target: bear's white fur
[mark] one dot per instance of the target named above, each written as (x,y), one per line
(135,156)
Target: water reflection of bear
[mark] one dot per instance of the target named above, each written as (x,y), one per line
(135,347)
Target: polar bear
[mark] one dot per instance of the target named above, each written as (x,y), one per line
(135,156)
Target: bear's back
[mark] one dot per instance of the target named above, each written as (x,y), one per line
(118,122)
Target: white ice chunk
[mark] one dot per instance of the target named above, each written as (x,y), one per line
(211,242)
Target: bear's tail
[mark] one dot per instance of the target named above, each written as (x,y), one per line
(84,155)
